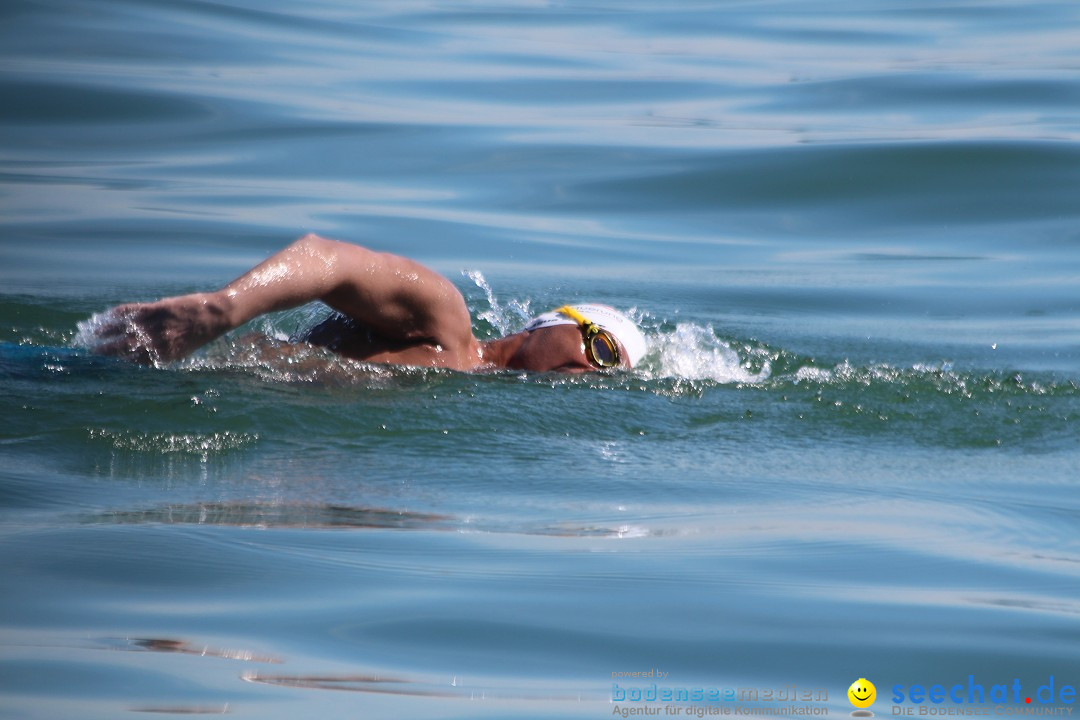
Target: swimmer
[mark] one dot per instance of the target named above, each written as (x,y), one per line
(391,310)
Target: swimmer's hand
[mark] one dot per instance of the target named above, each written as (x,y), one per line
(160,332)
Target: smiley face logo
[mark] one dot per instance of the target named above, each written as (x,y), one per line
(862,693)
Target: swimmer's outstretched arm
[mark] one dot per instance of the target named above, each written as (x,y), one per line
(394,296)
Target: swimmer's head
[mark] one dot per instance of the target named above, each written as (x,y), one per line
(630,340)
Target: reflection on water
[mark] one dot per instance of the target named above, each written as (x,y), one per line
(452,688)
(276,515)
(171,645)
(182,710)
(294,514)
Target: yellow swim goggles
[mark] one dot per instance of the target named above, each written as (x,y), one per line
(600,345)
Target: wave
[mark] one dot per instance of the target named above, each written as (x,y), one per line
(684,356)
(687,357)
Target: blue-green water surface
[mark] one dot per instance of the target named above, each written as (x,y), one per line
(851,233)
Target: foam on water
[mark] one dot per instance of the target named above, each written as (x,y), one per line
(694,352)
(199,444)
(942,378)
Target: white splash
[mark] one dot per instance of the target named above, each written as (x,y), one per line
(506,319)
(114,328)
(694,352)
(88,332)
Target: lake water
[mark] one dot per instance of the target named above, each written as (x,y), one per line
(849,231)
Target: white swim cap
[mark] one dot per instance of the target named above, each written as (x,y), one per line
(607,317)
